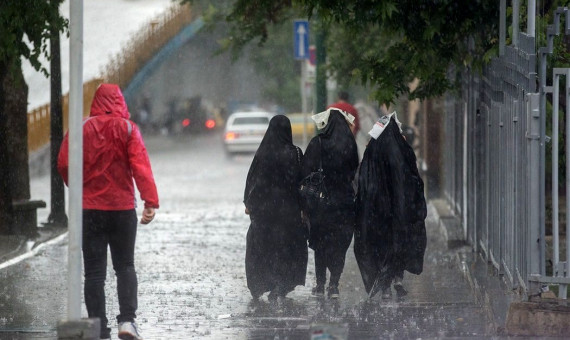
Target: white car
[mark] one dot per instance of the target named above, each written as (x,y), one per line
(245,130)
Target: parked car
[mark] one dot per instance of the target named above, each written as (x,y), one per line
(297,121)
(245,130)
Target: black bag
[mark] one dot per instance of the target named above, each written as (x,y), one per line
(312,188)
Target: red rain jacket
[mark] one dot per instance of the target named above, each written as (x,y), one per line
(113,154)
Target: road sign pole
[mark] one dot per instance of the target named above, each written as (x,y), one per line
(301,49)
(321,79)
(304,99)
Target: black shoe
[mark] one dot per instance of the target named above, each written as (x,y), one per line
(272,295)
(256,295)
(318,290)
(400,290)
(333,292)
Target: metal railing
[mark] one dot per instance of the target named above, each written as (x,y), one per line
(39,118)
(146,43)
(495,164)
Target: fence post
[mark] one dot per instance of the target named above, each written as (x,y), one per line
(534,255)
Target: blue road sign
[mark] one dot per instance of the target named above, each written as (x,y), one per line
(301,38)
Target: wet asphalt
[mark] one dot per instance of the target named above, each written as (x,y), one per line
(192,285)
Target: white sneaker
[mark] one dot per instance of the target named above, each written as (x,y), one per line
(129,331)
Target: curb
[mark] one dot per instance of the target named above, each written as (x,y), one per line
(506,312)
(541,318)
(29,248)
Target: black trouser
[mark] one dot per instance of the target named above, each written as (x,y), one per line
(118,229)
(332,234)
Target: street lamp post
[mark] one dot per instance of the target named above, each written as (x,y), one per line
(74,327)
(57,215)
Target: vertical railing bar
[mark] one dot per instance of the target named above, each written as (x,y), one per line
(563,288)
(555,197)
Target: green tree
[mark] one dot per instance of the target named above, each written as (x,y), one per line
(274,61)
(24,33)
(416,38)
(384,44)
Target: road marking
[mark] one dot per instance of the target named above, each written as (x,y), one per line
(33,251)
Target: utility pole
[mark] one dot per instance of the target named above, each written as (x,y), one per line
(6,210)
(301,51)
(57,215)
(73,327)
(321,77)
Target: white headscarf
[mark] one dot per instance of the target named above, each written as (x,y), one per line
(381,124)
(322,118)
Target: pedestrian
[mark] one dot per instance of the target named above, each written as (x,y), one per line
(113,154)
(343,104)
(390,235)
(332,221)
(276,245)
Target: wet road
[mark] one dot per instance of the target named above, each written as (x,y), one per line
(190,264)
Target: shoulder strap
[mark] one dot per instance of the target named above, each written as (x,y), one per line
(320,154)
(298,155)
(129,127)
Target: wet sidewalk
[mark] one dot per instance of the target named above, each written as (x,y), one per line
(196,289)
(191,269)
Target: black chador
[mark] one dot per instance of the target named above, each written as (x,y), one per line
(276,249)
(390,235)
(332,222)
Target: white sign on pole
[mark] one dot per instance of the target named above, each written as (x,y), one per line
(301,39)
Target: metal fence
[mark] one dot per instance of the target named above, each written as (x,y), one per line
(495,161)
(39,118)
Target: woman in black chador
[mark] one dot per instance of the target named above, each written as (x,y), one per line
(390,235)
(276,249)
(332,222)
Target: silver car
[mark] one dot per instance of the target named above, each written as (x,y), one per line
(245,130)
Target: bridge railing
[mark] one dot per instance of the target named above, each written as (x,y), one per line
(39,118)
(146,43)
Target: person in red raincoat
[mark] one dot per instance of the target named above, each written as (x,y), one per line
(113,154)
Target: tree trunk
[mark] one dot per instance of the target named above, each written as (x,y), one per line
(6,211)
(16,113)
(57,214)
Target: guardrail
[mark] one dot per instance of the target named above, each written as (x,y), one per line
(39,119)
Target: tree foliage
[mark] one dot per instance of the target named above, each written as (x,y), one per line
(280,70)
(31,19)
(24,32)
(383,44)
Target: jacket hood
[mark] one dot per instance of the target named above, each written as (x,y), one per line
(109,100)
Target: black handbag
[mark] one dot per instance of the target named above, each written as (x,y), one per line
(312,188)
